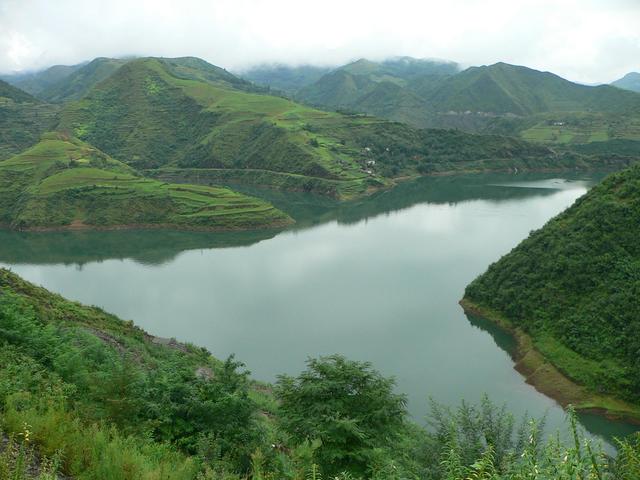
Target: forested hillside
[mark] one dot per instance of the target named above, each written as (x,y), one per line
(574,286)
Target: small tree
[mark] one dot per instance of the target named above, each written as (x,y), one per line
(347,405)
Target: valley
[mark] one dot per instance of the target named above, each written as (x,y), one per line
(324,229)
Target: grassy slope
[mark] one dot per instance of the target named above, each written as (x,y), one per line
(573,286)
(62,181)
(22,119)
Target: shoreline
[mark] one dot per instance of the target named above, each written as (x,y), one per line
(186,176)
(547,378)
(84,227)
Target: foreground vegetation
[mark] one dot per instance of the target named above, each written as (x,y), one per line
(573,288)
(85,394)
(64,182)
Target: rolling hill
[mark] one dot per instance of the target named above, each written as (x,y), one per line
(573,287)
(631,81)
(62,182)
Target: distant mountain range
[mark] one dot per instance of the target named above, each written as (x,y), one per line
(499,98)
(631,81)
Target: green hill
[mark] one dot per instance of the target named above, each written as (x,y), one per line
(62,182)
(177,117)
(81,80)
(346,86)
(504,89)
(631,81)
(573,286)
(23,119)
(14,94)
(501,98)
(37,82)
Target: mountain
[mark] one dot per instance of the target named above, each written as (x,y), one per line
(37,82)
(10,93)
(23,119)
(63,182)
(509,89)
(177,117)
(81,80)
(631,81)
(500,98)
(284,78)
(573,287)
(345,86)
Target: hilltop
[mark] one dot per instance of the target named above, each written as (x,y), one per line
(631,81)
(510,89)
(80,80)
(572,286)
(62,182)
(384,89)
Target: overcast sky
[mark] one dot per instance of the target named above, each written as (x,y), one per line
(583,40)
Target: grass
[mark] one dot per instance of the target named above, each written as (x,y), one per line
(63,182)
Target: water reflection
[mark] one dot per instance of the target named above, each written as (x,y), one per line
(155,247)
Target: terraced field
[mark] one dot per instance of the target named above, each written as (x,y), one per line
(63,182)
(581,128)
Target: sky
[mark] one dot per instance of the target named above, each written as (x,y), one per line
(589,41)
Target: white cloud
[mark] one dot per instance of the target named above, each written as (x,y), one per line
(584,40)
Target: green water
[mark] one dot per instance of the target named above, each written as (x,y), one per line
(377,280)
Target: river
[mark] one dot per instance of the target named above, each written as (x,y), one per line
(377,280)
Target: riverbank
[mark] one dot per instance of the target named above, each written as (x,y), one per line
(548,378)
(78,226)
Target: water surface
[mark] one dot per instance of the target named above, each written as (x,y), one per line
(376,280)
